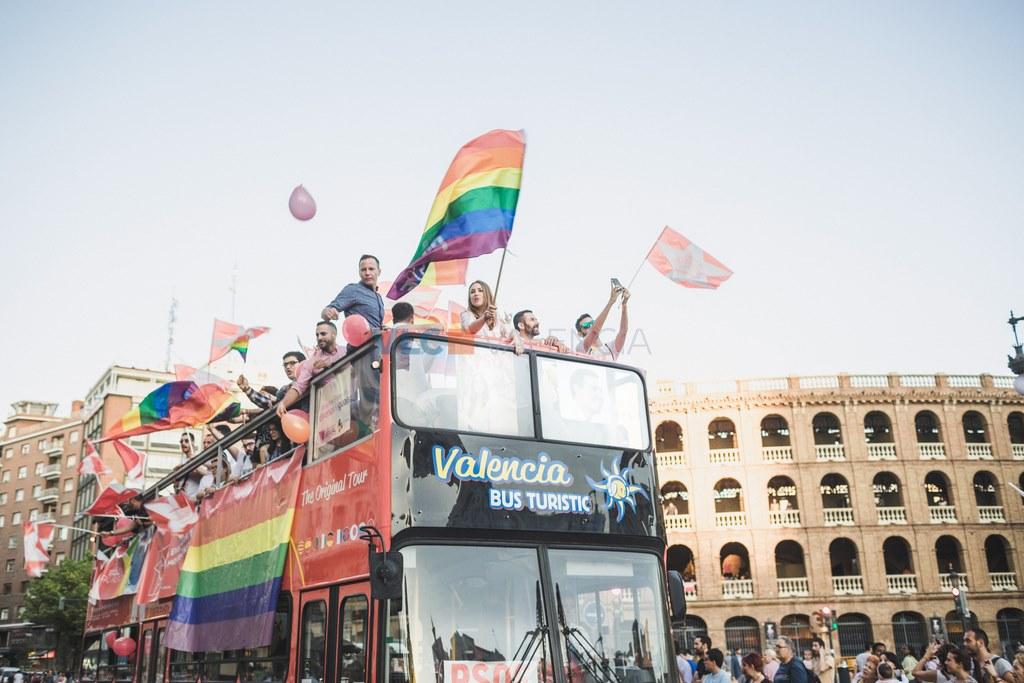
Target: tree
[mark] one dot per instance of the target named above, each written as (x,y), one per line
(59,599)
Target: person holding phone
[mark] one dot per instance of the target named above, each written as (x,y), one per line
(589,328)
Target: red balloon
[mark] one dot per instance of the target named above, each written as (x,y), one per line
(295,427)
(356,330)
(301,204)
(111,638)
(123,646)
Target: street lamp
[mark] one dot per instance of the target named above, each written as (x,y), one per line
(1016,361)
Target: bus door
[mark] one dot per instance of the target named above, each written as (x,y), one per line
(151,654)
(334,626)
(354,657)
(315,629)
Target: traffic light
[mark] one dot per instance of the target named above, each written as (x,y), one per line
(831,622)
(960,602)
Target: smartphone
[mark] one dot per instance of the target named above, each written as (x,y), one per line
(616,284)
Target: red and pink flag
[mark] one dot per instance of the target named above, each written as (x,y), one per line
(92,463)
(38,538)
(200,376)
(229,336)
(134,466)
(686,264)
(174,513)
(110,498)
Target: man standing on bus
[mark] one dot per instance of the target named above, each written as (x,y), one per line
(527,327)
(327,353)
(360,297)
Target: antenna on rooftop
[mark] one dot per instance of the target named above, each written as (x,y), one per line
(234,287)
(171,318)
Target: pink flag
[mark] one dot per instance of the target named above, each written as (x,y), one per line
(200,376)
(38,537)
(92,463)
(162,566)
(455,312)
(174,513)
(683,262)
(134,466)
(422,299)
(228,336)
(110,498)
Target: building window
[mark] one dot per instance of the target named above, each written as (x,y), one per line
(7,589)
(74,437)
(39,469)
(21,612)
(69,485)
(9,567)
(6,476)
(22,472)
(9,453)
(12,542)
(3,499)
(63,533)
(59,558)
(33,515)
(24,448)
(3,520)
(15,518)
(19,495)
(5,614)
(37,490)
(65,509)
(71,461)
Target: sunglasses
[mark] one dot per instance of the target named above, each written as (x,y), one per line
(587,325)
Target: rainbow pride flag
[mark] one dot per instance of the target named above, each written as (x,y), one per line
(474,209)
(228,337)
(231,576)
(171,406)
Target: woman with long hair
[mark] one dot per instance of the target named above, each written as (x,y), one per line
(753,667)
(482,318)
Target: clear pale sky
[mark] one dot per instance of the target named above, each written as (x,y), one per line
(858,165)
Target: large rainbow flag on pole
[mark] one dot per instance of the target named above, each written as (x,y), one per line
(231,576)
(171,406)
(474,209)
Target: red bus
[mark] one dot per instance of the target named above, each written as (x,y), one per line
(516,497)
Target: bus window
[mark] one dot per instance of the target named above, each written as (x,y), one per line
(124,667)
(90,658)
(161,657)
(354,615)
(145,648)
(592,404)
(347,407)
(187,666)
(609,609)
(457,386)
(472,613)
(314,630)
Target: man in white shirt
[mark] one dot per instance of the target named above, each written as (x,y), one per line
(589,329)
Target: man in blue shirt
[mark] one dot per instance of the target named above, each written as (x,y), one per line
(713,668)
(791,669)
(360,297)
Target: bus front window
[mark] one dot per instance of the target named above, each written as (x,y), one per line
(610,617)
(468,614)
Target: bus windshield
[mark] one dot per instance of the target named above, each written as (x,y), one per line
(477,614)
(466,388)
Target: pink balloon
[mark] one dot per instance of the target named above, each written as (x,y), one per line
(111,638)
(301,204)
(295,428)
(356,330)
(123,646)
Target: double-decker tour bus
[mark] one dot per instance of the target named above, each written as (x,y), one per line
(515,497)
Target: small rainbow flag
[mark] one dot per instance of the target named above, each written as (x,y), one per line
(231,576)
(474,209)
(171,406)
(228,337)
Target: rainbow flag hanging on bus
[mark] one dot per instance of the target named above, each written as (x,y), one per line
(474,209)
(231,576)
(171,406)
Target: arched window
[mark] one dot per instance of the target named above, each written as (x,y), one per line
(842,555)
(854,631)
(926,424)
(1015,424)
(835,492)
(728,496)
(721,434)
(877,427)
(948,555)
(675,499)
(668,437)
(897,557)
(797,627)
(975,427)
(887,490)
(692,627)
(937,489)
(1010,624)
(827,431)
(743,633)
(774,431)
(908,629)
(680,558)
(735,561)
(789,561)
(782,494)
(955,625)
(997,555)
(986,490)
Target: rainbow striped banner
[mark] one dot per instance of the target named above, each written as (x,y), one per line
(171,406)
(474,209)
(230,578)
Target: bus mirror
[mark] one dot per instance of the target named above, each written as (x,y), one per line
(676,595)
(386,575)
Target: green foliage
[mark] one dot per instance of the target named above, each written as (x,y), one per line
(59,598)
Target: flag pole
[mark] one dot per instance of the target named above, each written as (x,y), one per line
(501,266)
(646,256)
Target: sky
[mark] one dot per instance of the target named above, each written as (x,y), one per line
(857,165)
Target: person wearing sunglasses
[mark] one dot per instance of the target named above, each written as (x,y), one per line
(589,329)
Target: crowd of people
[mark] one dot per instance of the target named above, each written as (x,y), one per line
(36,676)
(969,662)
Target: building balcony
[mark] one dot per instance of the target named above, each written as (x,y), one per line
(881,451)
(901,583)
(678,522)
(848,585)
(839,517)
(946,583)
(671,458)
(784,518)
(892,515)
(942,514)
(51,471)
(1017,451)
(49,495)
(931,451)
(52,448)
(730,520)
(737,588)
(46,517)
(777,454)
(794,588)
(834,452)
(991,514)
(979,451)
(723,456)
(1003,581)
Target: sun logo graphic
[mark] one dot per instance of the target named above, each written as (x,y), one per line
(618,490)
